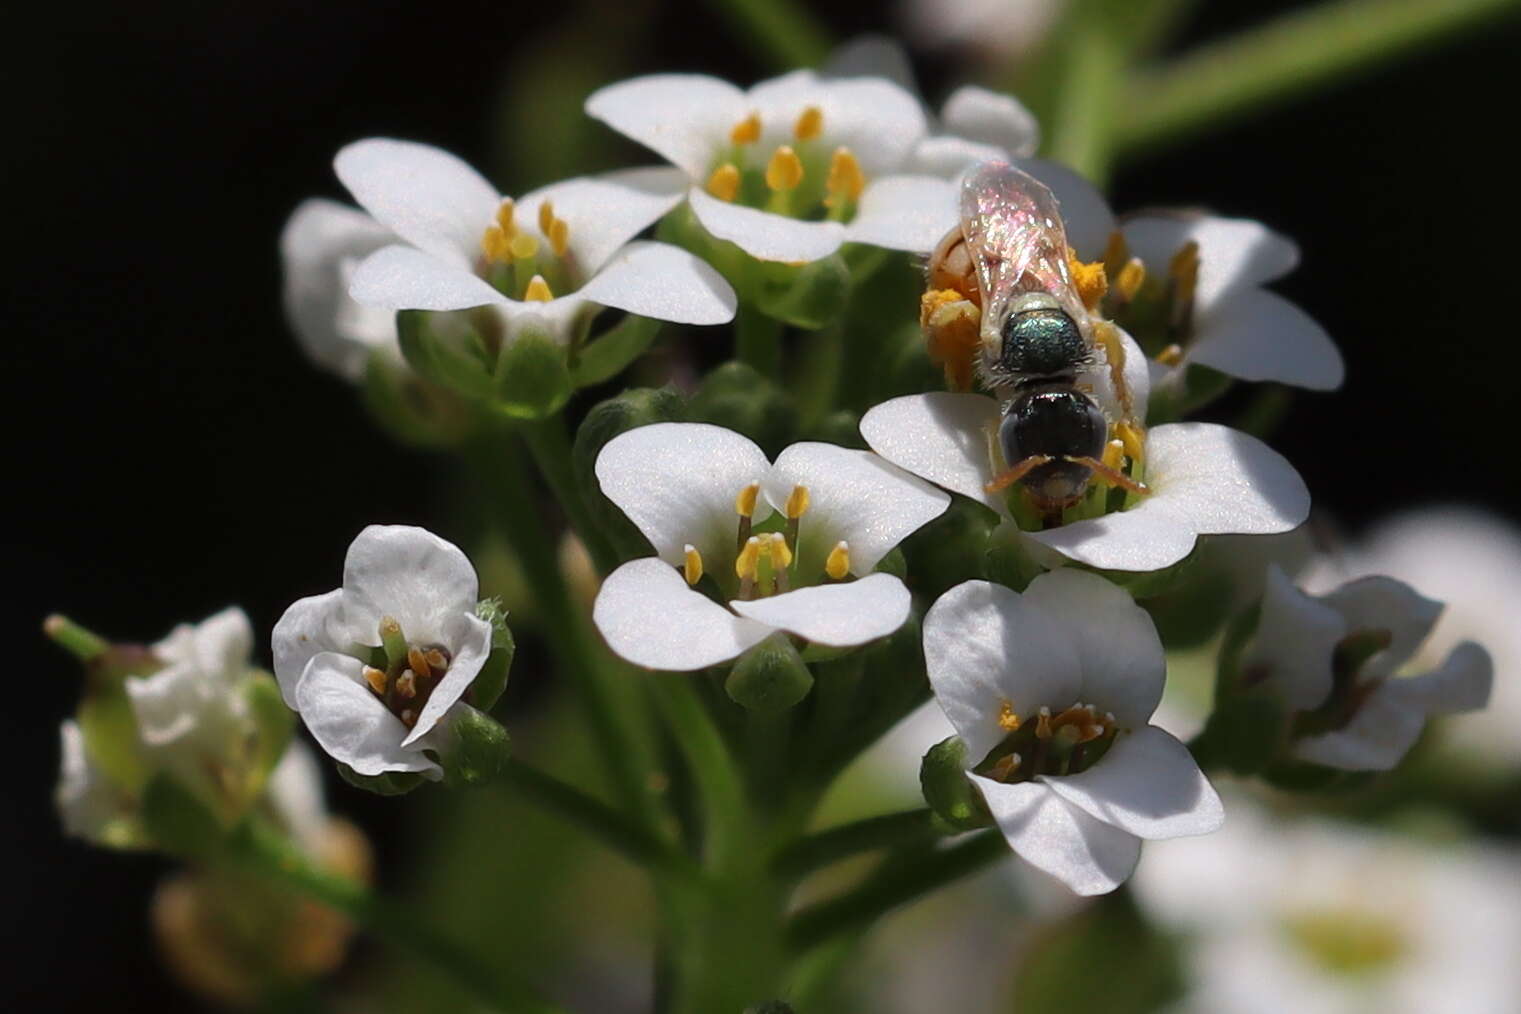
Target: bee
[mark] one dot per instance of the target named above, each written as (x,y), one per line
(1002,296)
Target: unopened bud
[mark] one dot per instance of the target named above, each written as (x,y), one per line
(947,790)
(769,678)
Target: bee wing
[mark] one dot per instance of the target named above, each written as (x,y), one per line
(1013,228)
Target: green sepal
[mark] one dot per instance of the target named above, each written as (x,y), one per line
(108,727)
(947,790)
(893,563)
(1010,560)
(737,397)
(809,296)
(447,349)
(275,722)
(177,821)
(473,750)
(950,549)
(607,355)
(1303,776)
(640,406)
(532,380)
(392,783)
(415,411)
(1151,583)
(489,683)
(769,678)
(1244,734)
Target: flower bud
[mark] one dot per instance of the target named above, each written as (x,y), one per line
(474,749)
(637,407)
(735,396)
(769,678)
(416,411)
(809,296)
(947,790)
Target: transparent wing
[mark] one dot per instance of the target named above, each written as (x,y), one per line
(1013,227)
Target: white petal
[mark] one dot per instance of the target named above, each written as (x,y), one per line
(1295,640)
(909,213)
(425,195)
(311,625)
(350,723)
(411,575)
(1136,374)
(984,647)
(602,213)
(401,278)
(877,120)
(558,319)
(1085,213)
(167,704)
(294,793)
(88,802)
(1234,253)
(837,615)
(677,482)
(664,282)
(1258,335)
(651,618)
(1379,735)
(763,235)
(940,436)
(469,640)
(1205,479)
(1087,855)
(992,118)
(949,157)
(1147,784)
(1382,603)
(685,118)
(1118,650)
(218,646)
(871,56)
(855,496)
(320,244)
(1463,683)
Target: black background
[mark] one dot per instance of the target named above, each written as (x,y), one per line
(169,451)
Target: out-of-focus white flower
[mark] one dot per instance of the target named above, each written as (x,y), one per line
(376,666)
(1051,691)
(1321,918)
(790,546)
(1204,479)
(1338,658)
(996,30)
(542,263)
(322,243)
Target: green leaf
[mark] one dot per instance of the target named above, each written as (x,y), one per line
(614,349)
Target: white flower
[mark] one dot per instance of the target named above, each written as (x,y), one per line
(1204,479)
(377,665)
(322,243)
(1340,657)
(705,497)
(798,165)
(543,263)
(1321,918)
(1001,31)
(1051,691)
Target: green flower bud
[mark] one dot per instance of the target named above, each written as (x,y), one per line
(947,790)
(737,397)
(1010,560)
(809,296)
(474,750)
(630,410)
(416,411)
(842,428)
(769,678)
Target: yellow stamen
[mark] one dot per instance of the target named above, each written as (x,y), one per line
(546,216)
(781,553)
(724,183)
(845,180)
(504,219)
(1130,279)
(747,563)
(1171,356)
(797,502)
(419,663)
(810,124)
(744,503)
(495,246)
(437,660)
(537,291)
(1089,279)
(1008,721)
(1184,269)
(559,236)
(1116,253)
(1043,723)
(837,565)
(524,245)
(746,131)
(785,170)
(376,679)
(692,569)
(1005,767)
(1114,454)
(406,685)
(1133,438)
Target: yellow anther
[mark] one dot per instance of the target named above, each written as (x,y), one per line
(781,553)
(523,246)
(1089,279)
(692,568)
(537,291)
(1043,724)
(1172,355)
(495,246)
(546,216)
(1114,454)
(504,219)
(1116,253)
(845,180)
(376,678)
(810,124)
(746,131)
(559,236)
(1128,282)
(797,502)
(785,170)
(1005,767)
(724,182)
(1008,721)
(419,663)
(1133,438)
(437,661)
(744,503)
(406,685)
(1184,269)
(837,565)
(747,563)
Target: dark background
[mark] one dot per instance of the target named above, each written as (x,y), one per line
(169,451)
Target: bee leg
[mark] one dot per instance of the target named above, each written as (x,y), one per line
(1018,472)
(1111,476)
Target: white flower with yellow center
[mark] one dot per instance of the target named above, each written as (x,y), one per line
(376,666)
(544,262)
(1339,660)
(796,166)
(1052,692)
(787,546)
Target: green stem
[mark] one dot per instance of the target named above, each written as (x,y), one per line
(1092,74)
(758,341)
(550,446)
(1295,54)
(821,922)
(784,31)
(818,850)
(268,854)
(719,788)
(607,825)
